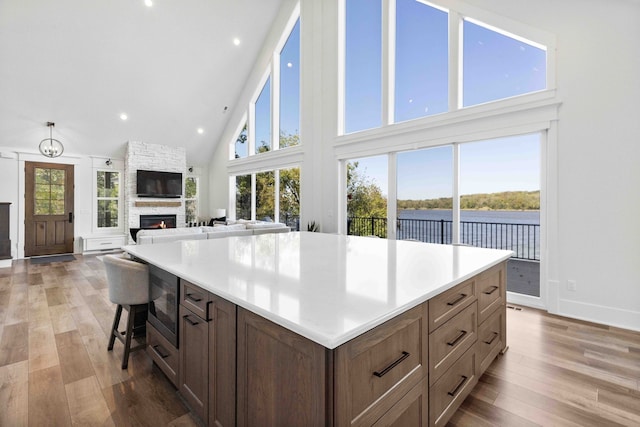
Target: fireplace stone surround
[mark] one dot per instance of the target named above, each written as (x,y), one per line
(140,155)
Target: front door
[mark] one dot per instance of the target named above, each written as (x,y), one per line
(48,209)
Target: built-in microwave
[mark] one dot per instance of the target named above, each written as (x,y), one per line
(164,289)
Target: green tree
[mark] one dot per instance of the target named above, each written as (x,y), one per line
(365,198)
(243,197)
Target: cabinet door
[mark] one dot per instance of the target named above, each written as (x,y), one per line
(222,363)
(194,361)
(282,376)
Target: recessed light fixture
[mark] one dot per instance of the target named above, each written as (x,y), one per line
(200,131)
(148,3)
(123,116)
(236,41)
(289,64)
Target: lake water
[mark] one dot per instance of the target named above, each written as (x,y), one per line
(508,217)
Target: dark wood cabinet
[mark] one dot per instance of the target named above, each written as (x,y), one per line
(282,377)
(194,361)
(5,241)
(222,363)
(237,368)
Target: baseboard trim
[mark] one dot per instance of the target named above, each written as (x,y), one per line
(616,317)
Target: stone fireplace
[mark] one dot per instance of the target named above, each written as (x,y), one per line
(140,155)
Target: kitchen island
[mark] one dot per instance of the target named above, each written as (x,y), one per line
(321,329)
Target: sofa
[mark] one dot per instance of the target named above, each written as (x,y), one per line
(240,228)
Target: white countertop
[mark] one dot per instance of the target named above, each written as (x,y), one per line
(328,288)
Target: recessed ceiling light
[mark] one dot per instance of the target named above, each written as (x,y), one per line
(148,3)
(200,131)
(289,64)
(123,116)
(236,41)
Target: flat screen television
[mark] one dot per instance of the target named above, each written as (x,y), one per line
(158,184)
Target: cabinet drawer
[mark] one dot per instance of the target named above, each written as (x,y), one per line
(448,343)
(446,395)
(491,291)
(491,338)
(411,410)
(163,353)
(449,303)
(103,243)
(380,366)
(194,298)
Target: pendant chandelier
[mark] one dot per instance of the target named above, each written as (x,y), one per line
(51,147)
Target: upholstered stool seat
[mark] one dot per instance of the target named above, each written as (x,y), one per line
(129,289)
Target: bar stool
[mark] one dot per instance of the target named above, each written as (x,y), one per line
(129,288)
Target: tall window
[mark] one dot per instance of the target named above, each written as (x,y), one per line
(108,196)
(290,89)
(363,65)
(263,119)
(498,66)
(243,197)
(425,195)
(367,180)
(191,198)
(242,145)
(265,196)
(421,77)
(290,197)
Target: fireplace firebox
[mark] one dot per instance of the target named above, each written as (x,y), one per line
(154,221)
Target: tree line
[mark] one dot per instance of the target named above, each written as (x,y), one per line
(506,200)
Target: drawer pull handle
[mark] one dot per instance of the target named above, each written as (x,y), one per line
(160,350)
(192,298)
(393,365)
(458,387)
(457,300)
(493,289)
(493,338)
(188,319)
(458,338)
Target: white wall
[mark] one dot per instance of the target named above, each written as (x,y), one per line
(595,145)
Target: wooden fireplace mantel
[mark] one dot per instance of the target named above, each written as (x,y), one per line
(157,204)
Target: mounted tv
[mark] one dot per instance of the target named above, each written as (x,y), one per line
(158,184)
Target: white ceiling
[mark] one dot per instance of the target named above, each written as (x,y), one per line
(172,68)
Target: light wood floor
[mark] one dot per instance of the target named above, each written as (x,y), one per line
(55,370)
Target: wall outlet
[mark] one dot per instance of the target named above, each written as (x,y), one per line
(571,285)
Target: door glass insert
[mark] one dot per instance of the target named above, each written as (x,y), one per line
(49,192)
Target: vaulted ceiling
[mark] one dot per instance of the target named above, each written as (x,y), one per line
(172,68)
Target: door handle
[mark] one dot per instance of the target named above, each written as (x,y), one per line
(70,217)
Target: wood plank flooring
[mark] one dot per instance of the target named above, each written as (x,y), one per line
(54,365)
(55,369)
